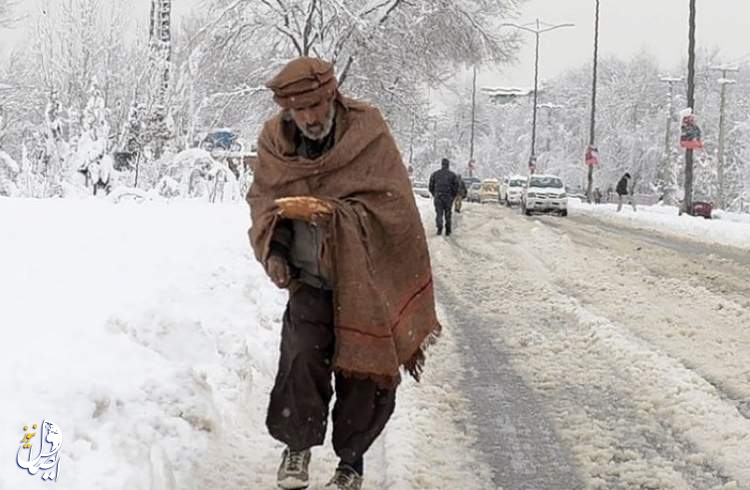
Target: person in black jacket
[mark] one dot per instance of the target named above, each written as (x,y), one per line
(444,189)
(623,189)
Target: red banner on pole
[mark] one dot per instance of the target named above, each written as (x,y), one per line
(592,155)
(691,133)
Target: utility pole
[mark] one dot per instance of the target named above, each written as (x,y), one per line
(723,81)
(688,200)
(538,28)
(473,112)
(667,172)
(592,129)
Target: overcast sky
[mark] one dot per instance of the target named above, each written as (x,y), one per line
(659,27)
(627,27)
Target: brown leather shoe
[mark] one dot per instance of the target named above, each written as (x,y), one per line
(345,478)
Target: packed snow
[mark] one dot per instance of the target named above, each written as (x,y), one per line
(149,334)
(637,351)
(146,331)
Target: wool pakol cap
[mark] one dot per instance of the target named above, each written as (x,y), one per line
(303,82)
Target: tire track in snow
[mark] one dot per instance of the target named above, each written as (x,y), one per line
(619,440)
(712,281)
(515,436)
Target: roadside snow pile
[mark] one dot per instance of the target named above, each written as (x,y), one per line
(132,327)
(726,228)
(148,334)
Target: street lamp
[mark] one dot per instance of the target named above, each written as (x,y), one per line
(723,81)
(666,175)
(537,28)
(592,159)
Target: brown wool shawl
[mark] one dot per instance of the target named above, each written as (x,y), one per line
(384,307)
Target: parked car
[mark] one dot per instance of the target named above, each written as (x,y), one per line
(703,208)
(469,181)
(473,193)
(221,139)
(511,190)
(421,189)
(489,191)
(544,194)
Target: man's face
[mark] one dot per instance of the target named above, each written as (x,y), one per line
(315,121)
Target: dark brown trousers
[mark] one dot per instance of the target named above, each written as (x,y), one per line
(298,410)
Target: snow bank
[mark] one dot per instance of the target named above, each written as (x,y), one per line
(726,228)
(148,333)
(131,327)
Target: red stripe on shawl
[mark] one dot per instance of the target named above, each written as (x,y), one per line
(399,317)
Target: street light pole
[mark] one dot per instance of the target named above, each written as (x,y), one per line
(666,175)
(537,28)
(532,158)
(724,81)
(687,203)
(592,129)
(473,112)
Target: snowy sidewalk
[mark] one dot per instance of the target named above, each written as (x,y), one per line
(731,229)
(149,334)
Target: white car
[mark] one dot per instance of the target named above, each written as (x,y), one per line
(512,189)
(473,193)
(544,194)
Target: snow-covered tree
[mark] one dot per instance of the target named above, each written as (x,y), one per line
(7,8)
(91,155)
(159,130)
(230,55)
(9,172)
(3,125)
(56,150)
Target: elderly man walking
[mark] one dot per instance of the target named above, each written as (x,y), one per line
(334,221)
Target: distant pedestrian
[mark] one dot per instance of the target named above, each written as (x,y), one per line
(444,189)
(462,193)
(624,188)
(597,196)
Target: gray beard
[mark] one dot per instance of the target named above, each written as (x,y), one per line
(327,125)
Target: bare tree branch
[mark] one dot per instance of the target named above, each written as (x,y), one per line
(383,19)
(306,41)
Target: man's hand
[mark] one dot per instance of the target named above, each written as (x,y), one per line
(277,268)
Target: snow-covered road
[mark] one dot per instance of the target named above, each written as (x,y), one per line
(632,352)
(577,353)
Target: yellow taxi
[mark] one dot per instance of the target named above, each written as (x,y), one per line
(489,191)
